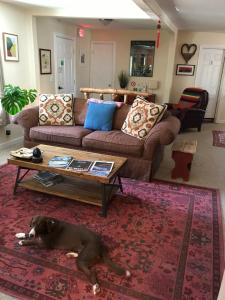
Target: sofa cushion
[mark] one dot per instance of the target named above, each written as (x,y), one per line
(56,109)
(99,116)
(70,135)
(79,111)
(120,116)
(113,141)
(142,117)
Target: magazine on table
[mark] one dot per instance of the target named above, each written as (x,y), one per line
(60,161)
(80,165)
(101,168)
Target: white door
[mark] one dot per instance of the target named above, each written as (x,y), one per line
(102,65)
(208,77)
(64,64)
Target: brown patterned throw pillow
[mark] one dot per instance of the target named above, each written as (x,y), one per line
(141,117)
(56,109)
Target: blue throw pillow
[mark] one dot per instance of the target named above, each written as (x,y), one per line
(99,116)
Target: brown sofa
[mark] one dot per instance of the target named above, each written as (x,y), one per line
(144,156)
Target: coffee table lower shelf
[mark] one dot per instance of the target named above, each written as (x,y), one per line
(75,189)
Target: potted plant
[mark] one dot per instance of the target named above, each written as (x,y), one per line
(123,79)
(14,98)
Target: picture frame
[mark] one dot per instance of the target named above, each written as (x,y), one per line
(185,70)
(11,46)
(45,61)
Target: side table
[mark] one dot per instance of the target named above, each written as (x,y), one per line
(182,154)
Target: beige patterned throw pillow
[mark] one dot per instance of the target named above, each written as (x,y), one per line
(142,116)
(56,109)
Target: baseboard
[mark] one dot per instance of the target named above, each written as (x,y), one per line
(10,143)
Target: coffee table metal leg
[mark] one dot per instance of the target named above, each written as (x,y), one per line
(17,180)
(120,183)
(103,212)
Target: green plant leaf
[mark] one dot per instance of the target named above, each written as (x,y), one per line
(15,98)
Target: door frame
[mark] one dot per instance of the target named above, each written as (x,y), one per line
(73,39)
(219,95)
(113,64)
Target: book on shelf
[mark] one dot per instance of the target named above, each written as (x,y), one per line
(60,161)
(47,178)
(80,165)
(101,168)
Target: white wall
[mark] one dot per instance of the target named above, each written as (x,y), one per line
(181,82)
(122,38)
(18,21)
(46,27)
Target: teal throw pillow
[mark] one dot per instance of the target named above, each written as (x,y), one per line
(99,116)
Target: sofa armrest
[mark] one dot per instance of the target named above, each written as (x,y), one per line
(162,133)
(27,118)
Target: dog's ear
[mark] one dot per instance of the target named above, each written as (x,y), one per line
(51,225)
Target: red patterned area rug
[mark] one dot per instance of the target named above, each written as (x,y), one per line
(218,138)
(168,235)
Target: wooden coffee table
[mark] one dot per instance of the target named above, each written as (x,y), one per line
(83,187)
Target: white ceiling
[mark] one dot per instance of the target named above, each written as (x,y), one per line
(195,15)
(125,13)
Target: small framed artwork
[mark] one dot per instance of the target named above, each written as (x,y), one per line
(45,61)
(187,70)
(11,47)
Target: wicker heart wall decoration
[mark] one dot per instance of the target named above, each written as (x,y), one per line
(187,51)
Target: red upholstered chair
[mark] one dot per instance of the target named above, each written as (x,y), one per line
(191,108)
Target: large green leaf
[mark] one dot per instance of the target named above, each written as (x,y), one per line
(15,98)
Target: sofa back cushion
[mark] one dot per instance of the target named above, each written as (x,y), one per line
(80,109)
(120,116)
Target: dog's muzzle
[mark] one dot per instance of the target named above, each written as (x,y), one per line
(32,233)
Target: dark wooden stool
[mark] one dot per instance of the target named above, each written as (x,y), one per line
(182,154)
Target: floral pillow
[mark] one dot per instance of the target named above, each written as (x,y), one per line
(56,109)
(142,116)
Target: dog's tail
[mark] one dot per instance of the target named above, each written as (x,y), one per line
(116,268)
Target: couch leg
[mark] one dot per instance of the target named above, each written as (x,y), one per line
(199,128)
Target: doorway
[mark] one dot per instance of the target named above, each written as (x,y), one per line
(64,64)
(209,75)
(102,65)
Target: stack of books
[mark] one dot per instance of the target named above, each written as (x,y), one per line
(47,178)
(60,161)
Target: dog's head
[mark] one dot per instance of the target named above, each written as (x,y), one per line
(42,225)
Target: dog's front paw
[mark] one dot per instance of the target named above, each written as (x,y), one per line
(21,243)
(20,235)
(71,254)
(128,273)
(96,289)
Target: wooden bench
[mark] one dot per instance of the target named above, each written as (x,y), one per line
(182,154)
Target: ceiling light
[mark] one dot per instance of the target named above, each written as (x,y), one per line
(105,22)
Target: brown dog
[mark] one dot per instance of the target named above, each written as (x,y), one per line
(83,243)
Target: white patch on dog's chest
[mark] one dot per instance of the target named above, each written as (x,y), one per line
(21,235)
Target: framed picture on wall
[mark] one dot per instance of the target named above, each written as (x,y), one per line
(45,61)
(10,44)
(187,70)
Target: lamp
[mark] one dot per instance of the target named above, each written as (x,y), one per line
(153,84)
(105,22)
